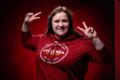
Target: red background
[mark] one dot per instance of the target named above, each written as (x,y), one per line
(117,39)
(18,63)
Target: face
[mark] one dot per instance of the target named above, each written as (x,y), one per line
(60,24)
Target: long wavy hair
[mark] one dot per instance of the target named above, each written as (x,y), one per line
(53,13)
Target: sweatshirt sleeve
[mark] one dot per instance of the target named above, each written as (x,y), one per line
(99,56)
(29,41)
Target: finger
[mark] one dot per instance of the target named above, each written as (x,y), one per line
(33,18)
(36,18)
(84,24)
(36,14)
(91,30)
(81,29)
(94,34)
(88,29)
(29,13)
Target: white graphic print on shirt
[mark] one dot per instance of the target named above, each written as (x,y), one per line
(54,52)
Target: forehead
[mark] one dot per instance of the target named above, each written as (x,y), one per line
(60,15)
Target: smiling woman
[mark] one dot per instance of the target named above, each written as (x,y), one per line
(60,24)
(62,53)
(60,18)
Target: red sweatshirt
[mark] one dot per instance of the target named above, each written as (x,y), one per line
(63,59)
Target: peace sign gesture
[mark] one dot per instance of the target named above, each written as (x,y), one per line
(88,31)
(31,17)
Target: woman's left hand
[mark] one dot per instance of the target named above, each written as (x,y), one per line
(88,31)
(92,34)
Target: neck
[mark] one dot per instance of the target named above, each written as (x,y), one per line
(62,37)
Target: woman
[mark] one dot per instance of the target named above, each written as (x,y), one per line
(62,53)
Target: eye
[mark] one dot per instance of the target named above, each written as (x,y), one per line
(64,20)
(56,21)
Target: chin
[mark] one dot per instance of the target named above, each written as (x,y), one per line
(61,35)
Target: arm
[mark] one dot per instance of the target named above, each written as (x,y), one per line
(97,51)
(98,56)
(98,44)
(28,40)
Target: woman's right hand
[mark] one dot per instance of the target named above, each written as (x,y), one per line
(31,17)
(28,19)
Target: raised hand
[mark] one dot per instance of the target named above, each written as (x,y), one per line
(92,34)
(31,17)
(88,31)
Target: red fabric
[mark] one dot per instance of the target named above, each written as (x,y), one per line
(65,59)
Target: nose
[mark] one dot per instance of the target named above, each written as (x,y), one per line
(60,23)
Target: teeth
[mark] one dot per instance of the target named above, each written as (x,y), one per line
(58,28)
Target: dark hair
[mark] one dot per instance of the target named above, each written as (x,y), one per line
(54,12)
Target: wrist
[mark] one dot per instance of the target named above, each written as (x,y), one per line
(95,38)
(97,43)
(25,26)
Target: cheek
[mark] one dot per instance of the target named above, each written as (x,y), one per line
(67,25)
(53,26)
